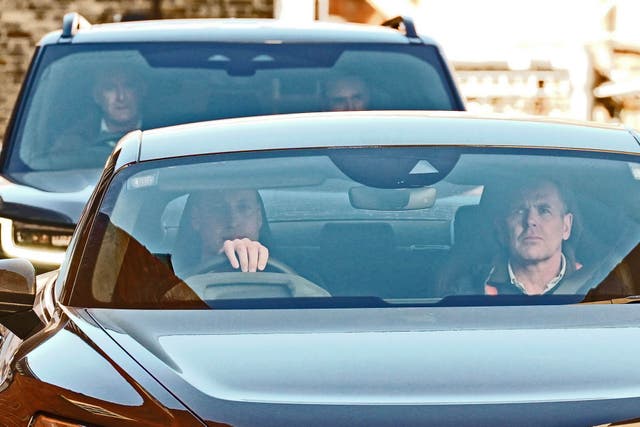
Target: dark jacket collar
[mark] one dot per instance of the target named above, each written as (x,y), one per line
(498,276)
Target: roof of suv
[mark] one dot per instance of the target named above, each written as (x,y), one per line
(233,30)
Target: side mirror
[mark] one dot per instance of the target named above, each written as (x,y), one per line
(17,296)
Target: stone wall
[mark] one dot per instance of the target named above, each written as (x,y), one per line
(24,22)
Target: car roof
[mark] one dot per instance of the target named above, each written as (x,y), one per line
(233,30)
(372,128)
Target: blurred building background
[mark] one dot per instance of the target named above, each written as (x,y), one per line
(562,58)
(576,59)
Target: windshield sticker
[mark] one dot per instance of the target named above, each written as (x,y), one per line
(143,181)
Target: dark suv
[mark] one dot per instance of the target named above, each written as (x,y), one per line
(186,71)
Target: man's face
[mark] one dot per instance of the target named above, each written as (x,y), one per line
(245,214)
(226,216)
(347,95)
(118,95)
(210,218)
(537,224)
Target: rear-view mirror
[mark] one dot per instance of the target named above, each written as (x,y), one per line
(396,199)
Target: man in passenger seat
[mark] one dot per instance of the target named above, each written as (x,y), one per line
(346,93)
(534,226)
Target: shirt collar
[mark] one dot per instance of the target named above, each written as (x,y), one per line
(563,268)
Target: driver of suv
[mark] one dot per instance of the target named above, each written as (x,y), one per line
(118,93)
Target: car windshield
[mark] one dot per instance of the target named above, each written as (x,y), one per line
(371,227)
(83,98)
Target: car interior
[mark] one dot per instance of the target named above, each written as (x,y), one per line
(391,254)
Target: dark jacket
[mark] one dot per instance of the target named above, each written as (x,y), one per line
(498,281)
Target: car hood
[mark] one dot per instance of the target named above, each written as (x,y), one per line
(573,362)
(48,196)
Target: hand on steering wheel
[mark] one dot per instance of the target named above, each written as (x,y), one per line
(222,264)
(246,254)
(214,281)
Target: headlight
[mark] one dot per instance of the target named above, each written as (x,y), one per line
(38,243)
(35,236)
(47,421)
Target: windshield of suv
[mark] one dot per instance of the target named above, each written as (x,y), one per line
(83,98)
(367,227)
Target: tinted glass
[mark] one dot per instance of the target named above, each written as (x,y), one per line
(84,97)
(343,230)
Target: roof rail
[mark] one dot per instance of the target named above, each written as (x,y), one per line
(407,22)
(72,22)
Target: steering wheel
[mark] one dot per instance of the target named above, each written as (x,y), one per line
(221,264)
(210,283)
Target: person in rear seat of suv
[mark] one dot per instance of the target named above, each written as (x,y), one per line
(118,92)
